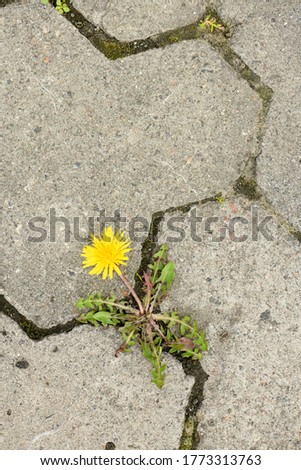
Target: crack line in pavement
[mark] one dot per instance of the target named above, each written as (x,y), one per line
(114,49)
(245,185)
(33,331)
(249,188)
(189,438)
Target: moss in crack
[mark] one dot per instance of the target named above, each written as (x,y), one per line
(219,42)
(294,232)
(266,94)
(247,188)
(189,438)
(267,205)
(183,33)
(33,331)
(114,49)
(297,235)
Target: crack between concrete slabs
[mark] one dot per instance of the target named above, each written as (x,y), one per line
(190,437)
(113,49)
(246,185)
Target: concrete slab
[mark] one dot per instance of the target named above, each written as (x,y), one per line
(84,134)
(130,20)
(70,392)
(279,165)
(246,292)
(268,39)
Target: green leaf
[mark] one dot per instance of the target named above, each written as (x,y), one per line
(80,304)
(82,319)
(167,274)
(185,325)
(105,318)
(174,316)
(90,314)
(162,252)
(44,2)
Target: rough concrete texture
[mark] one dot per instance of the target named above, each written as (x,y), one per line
(85,134)
(132,19)
(247,296)
(70,392)
(268,39)
(156,130)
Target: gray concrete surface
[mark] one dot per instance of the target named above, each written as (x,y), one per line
(132,19)
(70,392)
(156,130)
(268,38)
(247,295)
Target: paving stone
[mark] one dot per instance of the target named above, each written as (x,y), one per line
(279,165)
(246,294)
(268,39)
(70,392)
(85,134)
(130,20)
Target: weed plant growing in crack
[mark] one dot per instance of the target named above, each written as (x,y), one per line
(139,320)
(210,23)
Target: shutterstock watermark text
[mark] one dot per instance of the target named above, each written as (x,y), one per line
(55,228)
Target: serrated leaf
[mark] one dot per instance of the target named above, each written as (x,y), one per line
(88,303)
(90,314)
(80,304)
(82,319)
(104,318)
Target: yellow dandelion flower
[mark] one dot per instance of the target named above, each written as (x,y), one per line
(106,253)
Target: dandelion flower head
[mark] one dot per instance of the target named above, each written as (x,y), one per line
(106,253)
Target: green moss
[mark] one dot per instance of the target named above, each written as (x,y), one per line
(113,49)
(188,434)
(266,94)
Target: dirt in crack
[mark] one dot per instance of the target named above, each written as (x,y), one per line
(114,49)
(190,437)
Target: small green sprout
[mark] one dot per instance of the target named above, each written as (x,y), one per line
(140,320)
(61,6)
(210,23)
(220,199)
